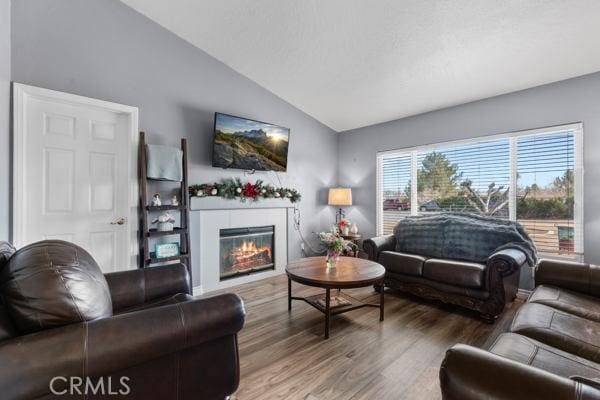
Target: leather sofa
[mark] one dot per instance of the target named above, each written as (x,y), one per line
(68,331)
(484,288)
(552,350)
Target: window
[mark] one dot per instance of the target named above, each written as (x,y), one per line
(534,177)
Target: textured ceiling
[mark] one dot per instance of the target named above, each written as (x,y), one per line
(351,63)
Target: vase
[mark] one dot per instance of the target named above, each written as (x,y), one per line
(354,229)
(332,259)
(345,230)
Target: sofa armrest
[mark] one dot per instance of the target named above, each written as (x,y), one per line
(468,373)
(579,277)
(101,347)
(507,261)
(376,245)
(130,288)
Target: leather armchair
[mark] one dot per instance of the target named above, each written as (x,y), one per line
(468,373)
(165,342)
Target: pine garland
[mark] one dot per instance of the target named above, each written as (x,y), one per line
(236,189)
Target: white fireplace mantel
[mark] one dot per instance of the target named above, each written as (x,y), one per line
(219,203)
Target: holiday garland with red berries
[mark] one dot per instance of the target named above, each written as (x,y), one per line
(236,189)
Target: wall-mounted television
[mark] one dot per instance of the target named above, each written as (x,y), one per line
(243,143)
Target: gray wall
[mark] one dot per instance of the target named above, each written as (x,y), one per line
(4,117)
(563,102)
(105,50)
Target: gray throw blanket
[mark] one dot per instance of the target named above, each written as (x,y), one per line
(462,236)
(164,163)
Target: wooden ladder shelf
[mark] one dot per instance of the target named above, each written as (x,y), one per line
(147,256)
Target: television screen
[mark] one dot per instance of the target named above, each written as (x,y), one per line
(247,144)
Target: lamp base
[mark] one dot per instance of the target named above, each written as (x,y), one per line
(339,215)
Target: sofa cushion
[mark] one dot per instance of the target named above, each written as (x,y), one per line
(564,331)
(53,283)
(402,263)
(565,300)
(531,352)
(461,273)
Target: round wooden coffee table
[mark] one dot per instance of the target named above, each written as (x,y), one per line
(350,273)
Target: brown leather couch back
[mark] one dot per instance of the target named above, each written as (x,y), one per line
(53,283)
(7,328)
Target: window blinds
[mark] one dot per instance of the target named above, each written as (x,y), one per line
(396,190)
(470,177)
(546,189)
(534,177)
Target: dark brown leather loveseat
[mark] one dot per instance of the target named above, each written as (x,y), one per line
(483,287)
(551,352)
(67,331)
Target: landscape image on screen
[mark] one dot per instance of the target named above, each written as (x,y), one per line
(252,145)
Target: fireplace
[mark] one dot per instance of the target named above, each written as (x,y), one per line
(246,250)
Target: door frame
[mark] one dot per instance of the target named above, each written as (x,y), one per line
(21,93)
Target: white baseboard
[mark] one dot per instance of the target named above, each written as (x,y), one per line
(523,294)
(197,291)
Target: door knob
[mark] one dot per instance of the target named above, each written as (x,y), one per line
(118,221)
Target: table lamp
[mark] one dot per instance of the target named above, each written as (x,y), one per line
(340,196)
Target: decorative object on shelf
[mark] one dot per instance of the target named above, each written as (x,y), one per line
(354,229)
(174,201)
(336,246)
(339,196)
(235,189)
(156,202)
(165,250)
(344,227)
(165,222)
(335,301)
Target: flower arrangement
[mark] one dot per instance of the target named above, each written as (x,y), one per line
(235,189)
(343,224)
(336,246)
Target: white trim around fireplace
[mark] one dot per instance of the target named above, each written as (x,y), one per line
(206,225)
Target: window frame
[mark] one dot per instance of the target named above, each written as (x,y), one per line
(578,172)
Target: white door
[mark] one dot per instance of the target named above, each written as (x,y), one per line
(73,155)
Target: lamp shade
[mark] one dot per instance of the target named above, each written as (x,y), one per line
(340,197)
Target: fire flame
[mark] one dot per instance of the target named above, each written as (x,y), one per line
(249,248)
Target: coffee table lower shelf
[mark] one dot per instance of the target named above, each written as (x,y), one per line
(335,310)
(330,311)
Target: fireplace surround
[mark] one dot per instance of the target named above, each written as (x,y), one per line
(210,216)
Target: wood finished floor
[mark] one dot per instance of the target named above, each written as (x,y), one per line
(284,356)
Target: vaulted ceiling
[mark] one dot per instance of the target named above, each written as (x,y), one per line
(351,63)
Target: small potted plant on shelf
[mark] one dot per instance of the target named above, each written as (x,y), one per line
(336,246)
(165,222)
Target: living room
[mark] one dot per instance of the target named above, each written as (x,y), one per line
(299,200)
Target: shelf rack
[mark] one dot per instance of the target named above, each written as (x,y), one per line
(148,257)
